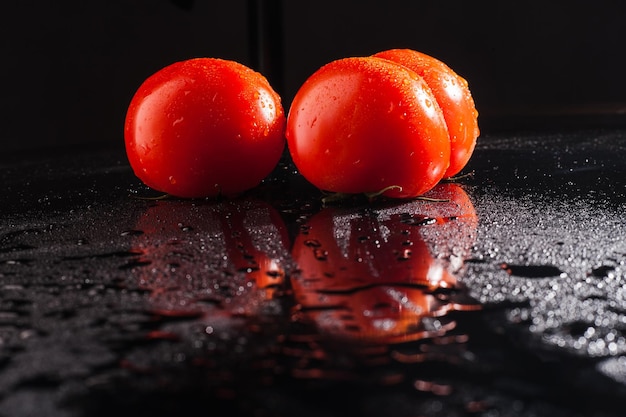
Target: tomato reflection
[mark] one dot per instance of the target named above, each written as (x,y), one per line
(375,274)
(229,254)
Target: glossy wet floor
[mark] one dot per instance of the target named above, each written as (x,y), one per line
(504,298)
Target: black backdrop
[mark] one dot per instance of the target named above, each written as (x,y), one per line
(70,68)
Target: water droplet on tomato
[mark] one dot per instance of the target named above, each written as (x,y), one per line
(405,255)
(172,179)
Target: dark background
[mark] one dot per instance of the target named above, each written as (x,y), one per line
(70,68)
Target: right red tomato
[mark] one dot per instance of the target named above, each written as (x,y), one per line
(374,125)
(453,96)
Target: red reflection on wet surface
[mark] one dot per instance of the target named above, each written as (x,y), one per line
(361,290)
(373,275)
(228,254)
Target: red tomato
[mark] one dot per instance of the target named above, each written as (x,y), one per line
(365,124)
(454,98)
(204,127)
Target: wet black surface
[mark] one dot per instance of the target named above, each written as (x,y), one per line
(506,299)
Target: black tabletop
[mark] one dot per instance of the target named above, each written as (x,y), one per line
(502,295)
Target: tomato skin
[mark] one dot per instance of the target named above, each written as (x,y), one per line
(363,124)
(453,96)
(204,127)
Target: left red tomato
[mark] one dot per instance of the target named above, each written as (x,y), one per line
(204,127)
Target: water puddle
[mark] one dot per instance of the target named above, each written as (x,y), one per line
(341,302)
(368,295)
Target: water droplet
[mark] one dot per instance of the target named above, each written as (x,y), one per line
(312,243)
(418,220)
(320,254)
(131,233)
(532,271)
(405,255)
